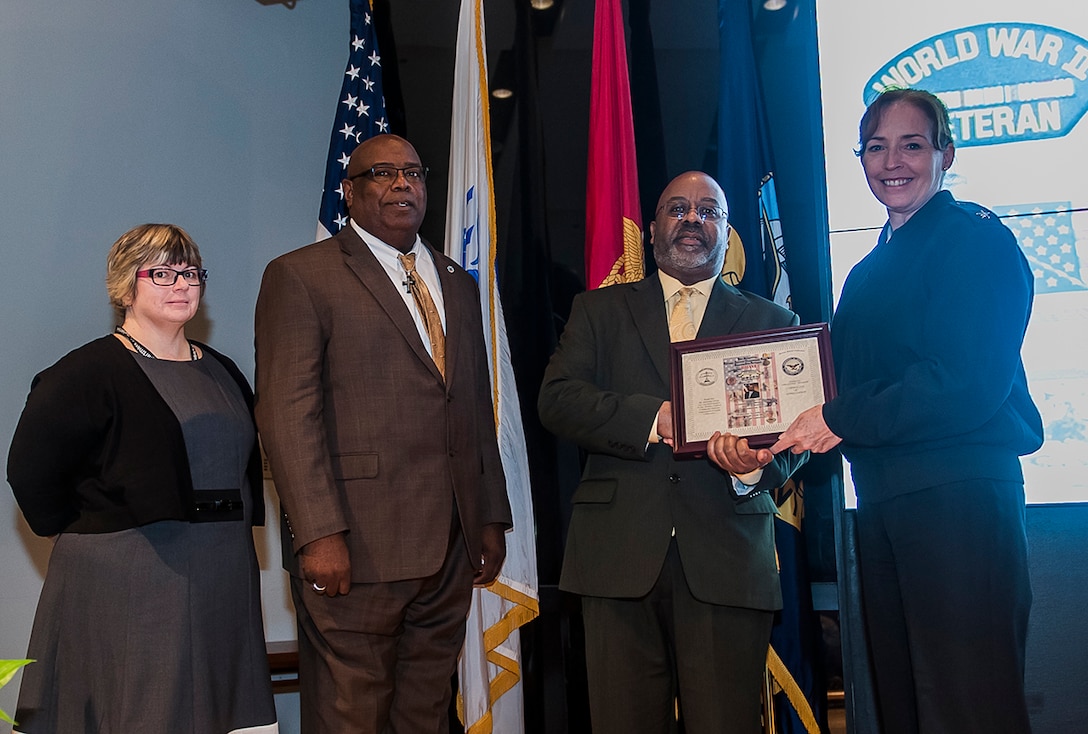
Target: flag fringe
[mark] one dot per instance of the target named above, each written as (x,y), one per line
(628,266)
(511,620)
(786,682)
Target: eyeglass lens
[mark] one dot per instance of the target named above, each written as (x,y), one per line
(389,173)
(169,276)
(705,213)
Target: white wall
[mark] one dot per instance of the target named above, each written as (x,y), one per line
(211,115)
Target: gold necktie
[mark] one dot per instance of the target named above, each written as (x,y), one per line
(681,320)
(432,322)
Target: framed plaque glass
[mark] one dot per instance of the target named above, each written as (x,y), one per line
(751,385)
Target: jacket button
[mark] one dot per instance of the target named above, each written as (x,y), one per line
(674,478)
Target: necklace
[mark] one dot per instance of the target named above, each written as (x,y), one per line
(144,351)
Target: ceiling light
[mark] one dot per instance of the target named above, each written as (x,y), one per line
(541,4)
(501,93)
(774,4)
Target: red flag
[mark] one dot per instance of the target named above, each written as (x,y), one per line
(613,222)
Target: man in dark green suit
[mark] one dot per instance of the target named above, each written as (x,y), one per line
(674,560)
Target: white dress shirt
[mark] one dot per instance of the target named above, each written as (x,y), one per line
(389,258)
(700,295)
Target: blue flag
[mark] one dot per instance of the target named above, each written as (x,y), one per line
(746,174)
(360,114)
(795,657)
(772,247)
(744,161)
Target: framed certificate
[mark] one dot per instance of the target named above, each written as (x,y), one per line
(751,385)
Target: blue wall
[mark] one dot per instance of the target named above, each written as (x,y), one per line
(212,115)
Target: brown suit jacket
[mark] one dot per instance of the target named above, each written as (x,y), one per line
(362,433)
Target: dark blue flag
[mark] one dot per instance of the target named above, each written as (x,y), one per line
(744,158)
(745,173)
(794,662)
(360,114)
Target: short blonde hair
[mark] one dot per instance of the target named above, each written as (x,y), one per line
(141,247)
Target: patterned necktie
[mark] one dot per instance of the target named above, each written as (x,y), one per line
(432,322)
(681,320)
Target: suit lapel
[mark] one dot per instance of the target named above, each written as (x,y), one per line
(724,309)
(647,304)
(646,300)
(361,261)
(453,304)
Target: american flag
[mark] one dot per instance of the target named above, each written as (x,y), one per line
(360,114)
(1045,233)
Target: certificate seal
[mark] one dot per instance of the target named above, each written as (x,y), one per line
(793,366)
(706,377)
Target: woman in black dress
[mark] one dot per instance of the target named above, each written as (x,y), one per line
(137,453)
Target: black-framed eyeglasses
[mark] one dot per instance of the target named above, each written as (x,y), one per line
(168,276)
(704,212)
(388,174)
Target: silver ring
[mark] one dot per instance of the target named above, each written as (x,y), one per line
(319,589)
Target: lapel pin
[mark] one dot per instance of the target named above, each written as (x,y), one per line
(449,268)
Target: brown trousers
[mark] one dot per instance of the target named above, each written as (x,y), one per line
(379,660)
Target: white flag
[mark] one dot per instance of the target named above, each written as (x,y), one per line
(489,671)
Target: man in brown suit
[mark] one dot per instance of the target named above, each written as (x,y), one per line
(386,463)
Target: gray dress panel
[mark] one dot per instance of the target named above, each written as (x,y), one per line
(158,629)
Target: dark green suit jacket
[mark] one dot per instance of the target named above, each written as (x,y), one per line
(602,389)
